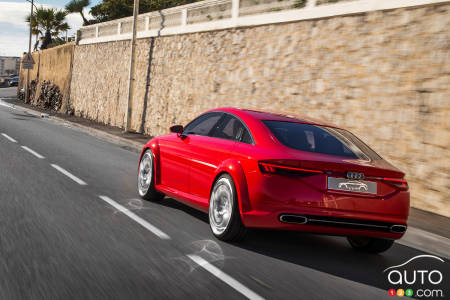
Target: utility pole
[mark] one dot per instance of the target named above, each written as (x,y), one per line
(27,94)
(132,59)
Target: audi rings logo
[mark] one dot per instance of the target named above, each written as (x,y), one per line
(355,175)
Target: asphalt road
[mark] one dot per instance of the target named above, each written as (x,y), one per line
(63,234)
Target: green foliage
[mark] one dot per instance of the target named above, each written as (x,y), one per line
(49,23)
(115,9)
(56,42)
(77,6)
(327,1)
(299,3)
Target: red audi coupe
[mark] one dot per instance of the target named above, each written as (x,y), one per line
(251,169)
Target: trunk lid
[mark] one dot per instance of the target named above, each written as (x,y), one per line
(340,165)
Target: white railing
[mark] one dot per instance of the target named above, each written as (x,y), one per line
(211,15)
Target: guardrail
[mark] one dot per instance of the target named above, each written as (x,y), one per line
(221,14)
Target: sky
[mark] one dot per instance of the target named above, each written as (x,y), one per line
(14,31)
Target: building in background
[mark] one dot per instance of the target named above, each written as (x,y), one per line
(9,65)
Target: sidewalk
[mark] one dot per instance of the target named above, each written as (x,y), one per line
(134,140)
(423,227)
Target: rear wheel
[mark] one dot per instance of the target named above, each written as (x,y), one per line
(369,245)
(146,178)
(224,217)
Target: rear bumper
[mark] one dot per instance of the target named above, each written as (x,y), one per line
(327,222)
(272,196)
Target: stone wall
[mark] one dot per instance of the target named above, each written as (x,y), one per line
(52,65)
(100,82)
(384,75)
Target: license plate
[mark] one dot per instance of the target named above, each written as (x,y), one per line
(347,185)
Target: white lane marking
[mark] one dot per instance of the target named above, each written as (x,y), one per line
(135,218)
(2,103)
(9,138)
(71,176)
(32,152)
(426,241)
(225,277)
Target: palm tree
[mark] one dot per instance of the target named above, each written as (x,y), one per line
(34,30)
(48,22)
(77,6)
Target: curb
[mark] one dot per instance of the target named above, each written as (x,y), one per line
(133,145)
(136,146)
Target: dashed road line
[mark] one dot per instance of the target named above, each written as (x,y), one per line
(225,278)
(68,174)
(9,138)
(32,152)
(135,218)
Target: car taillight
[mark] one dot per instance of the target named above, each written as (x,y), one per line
(400,183)
(270,168)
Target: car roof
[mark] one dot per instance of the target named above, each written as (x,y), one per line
(263,115)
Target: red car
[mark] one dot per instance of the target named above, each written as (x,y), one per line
(251,169)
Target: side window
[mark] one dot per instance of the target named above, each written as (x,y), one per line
(203,124)
(246,137)
(230,128)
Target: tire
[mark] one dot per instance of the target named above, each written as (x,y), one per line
(146,178)
(224,202)
(369,245)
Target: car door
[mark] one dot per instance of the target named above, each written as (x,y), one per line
(174,163)
(208,152)
(175,152)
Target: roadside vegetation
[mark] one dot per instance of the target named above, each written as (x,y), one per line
(114,9)
(50,28)
(47,25)
(78,6)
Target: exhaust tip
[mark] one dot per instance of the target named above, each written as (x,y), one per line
(293,219)
(398,228)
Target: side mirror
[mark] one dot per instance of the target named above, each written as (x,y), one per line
(177,129)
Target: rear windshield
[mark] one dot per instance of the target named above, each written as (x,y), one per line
(321,139)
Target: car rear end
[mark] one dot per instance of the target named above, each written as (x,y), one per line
(14,81)
(323,179)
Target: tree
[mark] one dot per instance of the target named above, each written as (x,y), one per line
(49,23)
(57,41)
(77,6)
(35,31)
(115,9)
(112,9)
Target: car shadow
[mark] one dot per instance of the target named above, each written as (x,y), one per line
(328,254)
(172,203)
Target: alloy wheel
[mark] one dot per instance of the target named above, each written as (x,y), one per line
(145,173)
(221,206)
